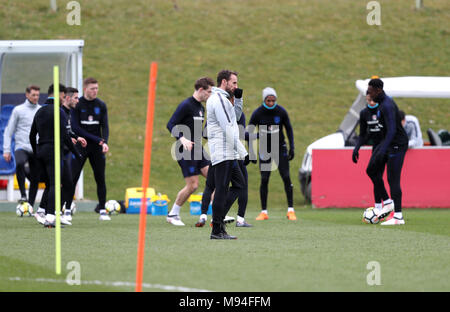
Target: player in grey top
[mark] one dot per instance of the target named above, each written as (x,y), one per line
(19,126)
(223,131)
(225,149)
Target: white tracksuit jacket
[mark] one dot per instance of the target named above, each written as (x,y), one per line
(223,131)
(19,125)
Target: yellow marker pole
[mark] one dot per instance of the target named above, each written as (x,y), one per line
(57,169)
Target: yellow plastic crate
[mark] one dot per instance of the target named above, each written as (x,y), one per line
(136,193)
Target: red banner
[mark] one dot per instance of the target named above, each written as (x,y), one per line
(338,182)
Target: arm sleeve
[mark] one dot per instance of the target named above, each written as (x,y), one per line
(223,112)
(33,132)
(75,122)
(251,136)
(289,131)
(205,131)
(238,104)
(64,133)
(362,138)
(73,134)
(389,117)
(9,131)
(241,124)
(176,118)
(105,125)
(250,132)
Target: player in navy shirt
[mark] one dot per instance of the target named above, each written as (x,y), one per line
(186,125)
(390,152)
(89,120)
(371,131)
(271,118)
(42,140)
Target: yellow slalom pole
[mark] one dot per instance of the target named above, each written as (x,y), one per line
(57,169)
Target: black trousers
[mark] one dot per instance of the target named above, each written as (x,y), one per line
(393,161)
(377,171)
(26,167)
(283,169)
(67,180)
(97,159)
(224,173)
(45,159)
(209,189)
(242,196)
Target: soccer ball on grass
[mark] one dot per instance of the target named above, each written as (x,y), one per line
(370,216)
(112,207)
(24,209)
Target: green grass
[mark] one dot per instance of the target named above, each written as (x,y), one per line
(311,52)
(325,250)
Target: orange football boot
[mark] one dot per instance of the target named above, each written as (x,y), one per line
(291,215)
(262,216)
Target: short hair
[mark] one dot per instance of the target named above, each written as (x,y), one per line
(204,83)
(401,114)
(376,83)
(89,81)
(32,87)
(62,88)
(225,74)
(71,91)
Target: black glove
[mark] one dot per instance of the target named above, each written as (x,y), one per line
(355,155)
(291,154)
(238,93)
(246,160)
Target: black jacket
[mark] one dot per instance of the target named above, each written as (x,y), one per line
(43,124)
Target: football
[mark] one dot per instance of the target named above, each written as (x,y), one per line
(24,209)
(112,207)
(370,216)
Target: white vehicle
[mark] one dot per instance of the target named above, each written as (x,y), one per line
(396,87)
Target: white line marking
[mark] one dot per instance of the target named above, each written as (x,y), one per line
(114,284)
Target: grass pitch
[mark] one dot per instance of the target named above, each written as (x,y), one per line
(325,250)
(311,52)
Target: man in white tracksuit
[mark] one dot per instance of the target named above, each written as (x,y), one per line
(19,126)
(225,148)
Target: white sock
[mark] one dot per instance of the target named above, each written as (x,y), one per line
(398,215)
(290,209)
(378,205)
(41,210)
(387,202)
(175,211)
(102,211)
(204,217)
(264,211)
(240,219)
(50,218)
